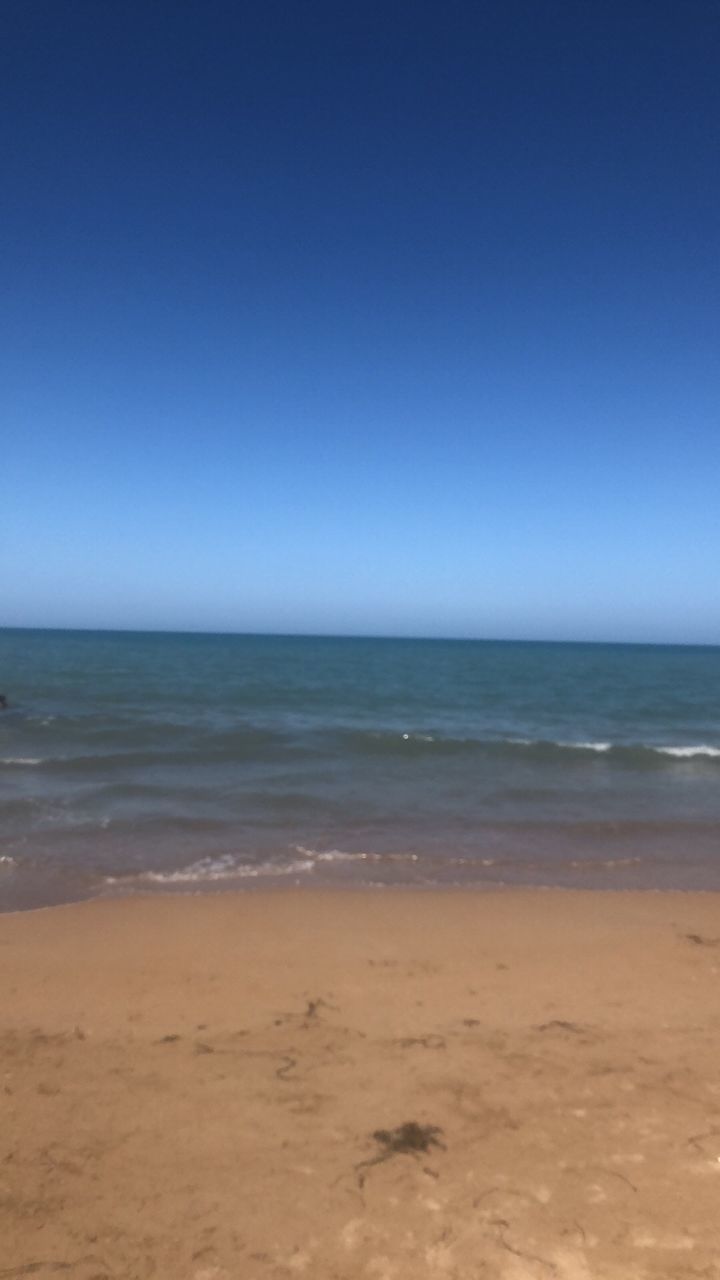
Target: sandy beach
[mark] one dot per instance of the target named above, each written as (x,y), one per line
(362,1084)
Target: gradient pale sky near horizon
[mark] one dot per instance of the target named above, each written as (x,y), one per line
(366,318)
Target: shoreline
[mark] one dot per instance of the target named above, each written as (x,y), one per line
(242,887)
(194,1085)
(359,890)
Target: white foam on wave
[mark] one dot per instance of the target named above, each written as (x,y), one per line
(213,869)
(20,760)
(591,864)
(7,861)
(679,753)
(563,746)
(329,855)
(340,855)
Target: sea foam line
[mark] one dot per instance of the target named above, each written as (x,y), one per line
(213,869)
(678,753)
(339,855)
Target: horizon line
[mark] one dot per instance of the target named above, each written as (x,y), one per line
(333,635)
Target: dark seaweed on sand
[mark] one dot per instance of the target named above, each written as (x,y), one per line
(409,1139)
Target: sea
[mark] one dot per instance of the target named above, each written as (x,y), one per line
(153,762)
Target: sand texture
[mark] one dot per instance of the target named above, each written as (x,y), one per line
(215,1088)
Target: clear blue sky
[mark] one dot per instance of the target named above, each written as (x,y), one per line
(394,318)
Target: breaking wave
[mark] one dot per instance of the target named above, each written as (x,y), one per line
(407,743)
(209,870)
(339,855)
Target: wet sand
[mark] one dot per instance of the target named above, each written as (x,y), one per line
(190,1087)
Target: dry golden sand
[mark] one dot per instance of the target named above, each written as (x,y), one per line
(190,1087)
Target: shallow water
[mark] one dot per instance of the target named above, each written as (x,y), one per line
(133,760)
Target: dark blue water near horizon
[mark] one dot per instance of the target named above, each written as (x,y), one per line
(137,761)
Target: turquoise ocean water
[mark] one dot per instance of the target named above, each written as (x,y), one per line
(133,761)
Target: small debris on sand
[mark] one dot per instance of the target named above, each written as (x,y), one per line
(407,1139)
